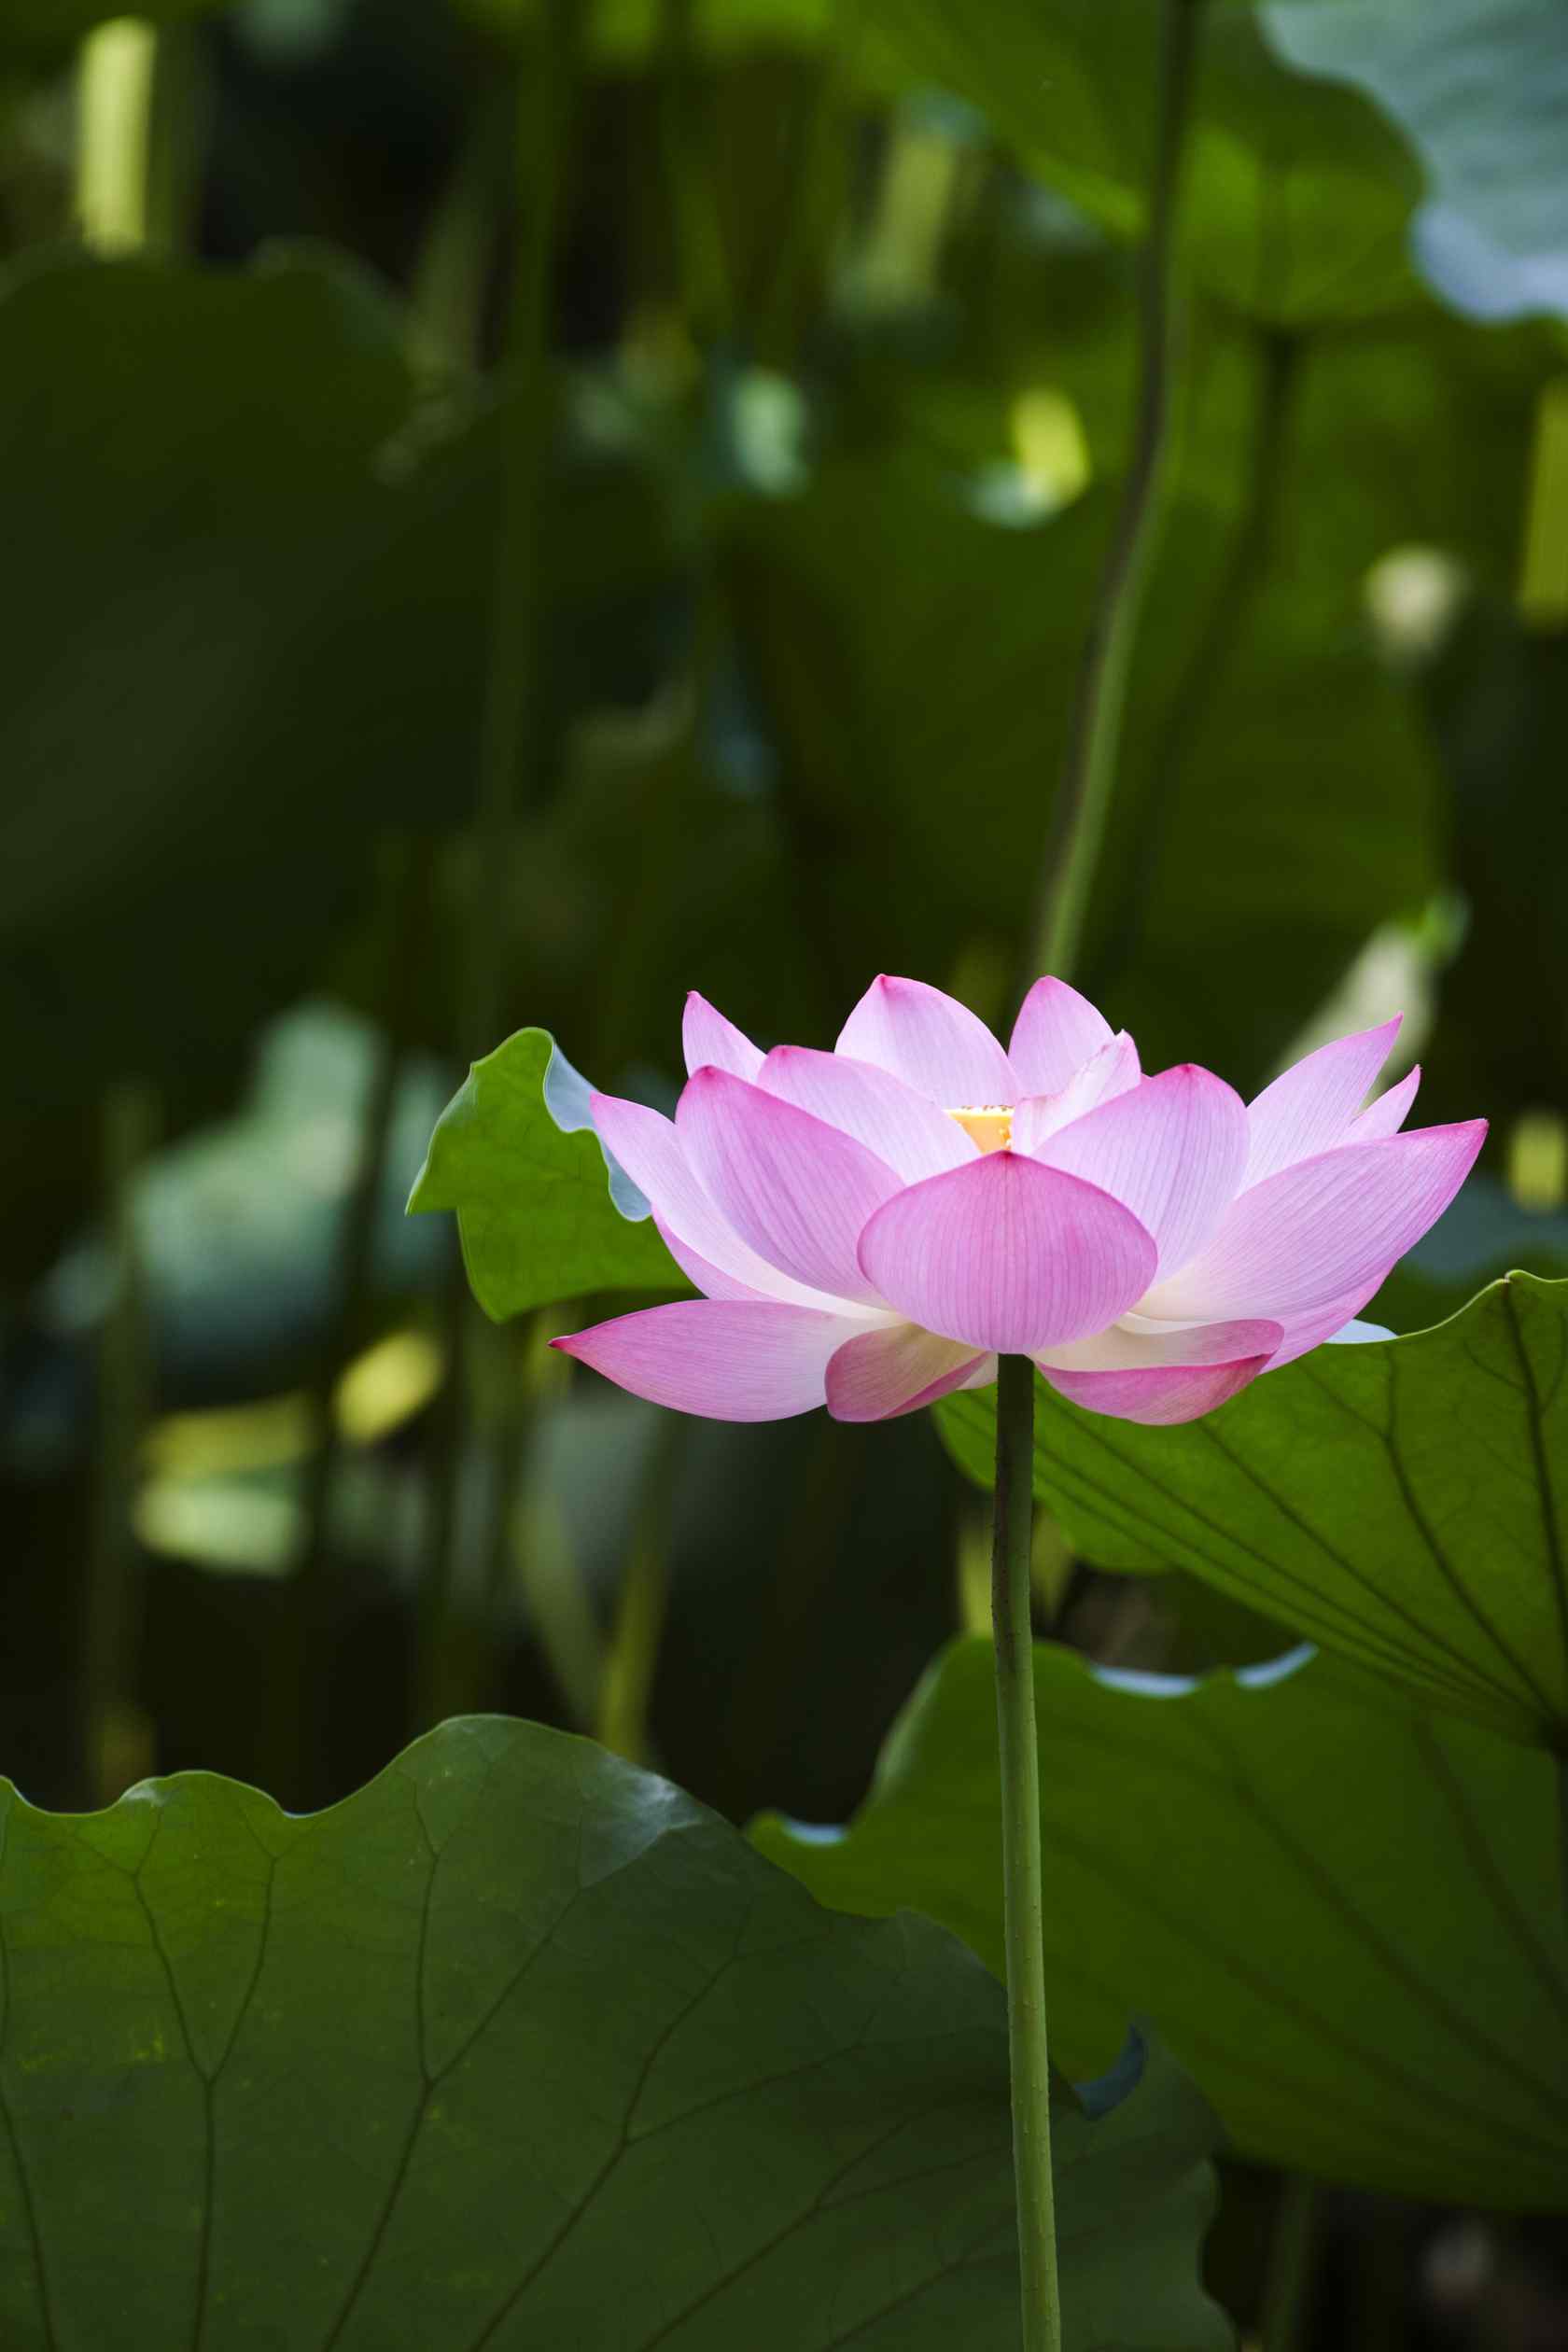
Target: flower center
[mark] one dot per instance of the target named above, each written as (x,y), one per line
(987,1124)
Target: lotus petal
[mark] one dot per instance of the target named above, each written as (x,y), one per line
(1171,1148)
(1056,1033)
(648,1147)
(1387,1115)
(932,1042)
(1007,1254)
(1328,1228)
(726,1359)
(797,1191)
(1163,1378)
(1106,1074)
(1310,1107)
(711,1042)
(901,1126)
(895,1370)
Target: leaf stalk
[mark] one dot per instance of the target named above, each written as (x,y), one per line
(1093,736)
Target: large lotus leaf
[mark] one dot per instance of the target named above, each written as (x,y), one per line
(1402,1500)
(520,2046)
(1344,1915)
(514,1155)
(1297,191)
(281,653)
(1480,87)
(194,750)
(1416,431)
(1474,1242)
(1043,78)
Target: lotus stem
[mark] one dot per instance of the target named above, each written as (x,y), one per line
(405,890)
(1099,694)
(626,1689)
(142,116)
(508,726)
(115,1733)
(1287,2292)
(484,1361)
(1021,1865)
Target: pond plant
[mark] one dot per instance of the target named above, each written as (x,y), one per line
(921,1212)
(1064,496)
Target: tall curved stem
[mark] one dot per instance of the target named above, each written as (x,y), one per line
(509,721)
(1099,695)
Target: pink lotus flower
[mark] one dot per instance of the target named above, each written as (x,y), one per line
(871,1227)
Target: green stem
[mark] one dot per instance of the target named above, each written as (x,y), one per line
(628,1686)
(303,1697)
(141,121)
(511,1408)
(117,68)
(793,1575)
(114,1736)
(509,733)
(1099,695)
(482,1360)
(485,1412)
(697,254)
(449,282)
(1288,2285)
(549,1575)
(443,1472)
(1380,2313)
(126,153)
(1021,1869)
(820,176)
